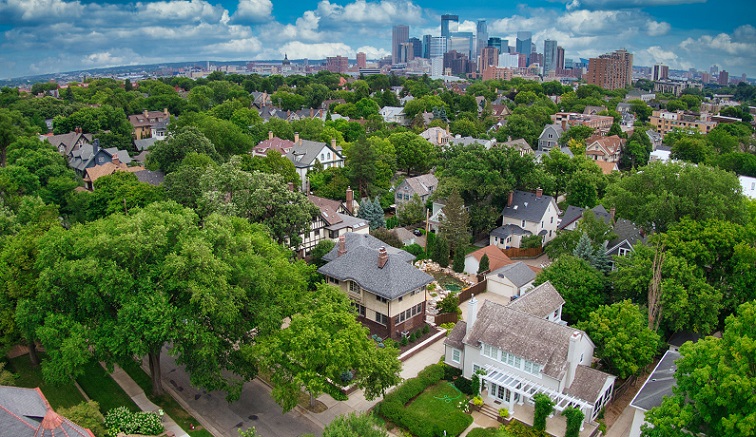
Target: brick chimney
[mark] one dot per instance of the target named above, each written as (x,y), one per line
(564,124)
(165,112)
(510,199)
(342,245)
(270,134)
(349,199)
(333,143)
(296,138)
(382,257)
(539,192)
(612,211)
(146,113)
(438,137)
(291,186)
(116,160)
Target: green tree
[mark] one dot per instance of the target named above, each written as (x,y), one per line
(362,164)
(581,286)
(413,153)
(579,133)
(544,406)
(575,418)
(354,425)
(87,415)
(483,266)
(624,343)
(127,285)
(411,211)
(441,252)
(120,192)
(458,264)
(455,223)
(320,250)
(715,382)
(272,163)
(318,345)
(181,185)
(166,155)
(582,189)
(695,150)
(641,110)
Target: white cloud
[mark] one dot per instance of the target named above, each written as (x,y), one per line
(299,50)
(372,52)
(384,12)
(253,10)
(180,10)
(37,10)
(621,4)
(657,28)
(657,55)
(237,46)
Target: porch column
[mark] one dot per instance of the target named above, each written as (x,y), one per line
(582,422)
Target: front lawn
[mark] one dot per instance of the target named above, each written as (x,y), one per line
(59,395)
(443,406)
(100,387)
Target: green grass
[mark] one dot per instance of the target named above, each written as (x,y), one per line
(166,402)
(59,395)
(100,387)
(441,405)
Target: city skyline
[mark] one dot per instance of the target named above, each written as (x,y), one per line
(49,36)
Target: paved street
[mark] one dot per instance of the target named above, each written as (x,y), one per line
(254,408)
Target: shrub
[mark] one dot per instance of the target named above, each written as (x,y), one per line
(346,376)
(449,304)
(503,413)
(404,341)
(120,419)
(477,401)
(426,329)
(392,222)
(464,385)
(574,419)
(412,337)
(544,405)
(416,250)
(87,415)
(451,372)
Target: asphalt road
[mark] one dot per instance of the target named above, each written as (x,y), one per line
(255,407)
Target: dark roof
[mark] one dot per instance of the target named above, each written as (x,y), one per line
(24,412)
(678,338)
(527,206)
(457,335)
(659,383)
(533,338)
(151,177)
(625,230)
(588,383)
(507,230)
(540,301)
(144,143)
(360,264)
(518,273)
(574,213)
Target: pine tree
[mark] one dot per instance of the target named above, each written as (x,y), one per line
(484,264)
(459,261)
(378,218)
(584,249)
(441,251)
(455,224)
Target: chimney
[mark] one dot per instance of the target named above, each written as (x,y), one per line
(95,147)
(116,160)
(333,143)
(447,129)
(472,312)
(382,257)
(296,138)
(270,134)
(510,199)
(612,211)
(573,358)
(165,112)
(438,137)
(539,192)
(564,124)
(145,113)
(342,245)
(291,186)
(349,199)
(312,112)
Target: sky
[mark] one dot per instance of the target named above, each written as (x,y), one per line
(48,36)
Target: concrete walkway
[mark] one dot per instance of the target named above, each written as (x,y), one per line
(137,395)
(621,427)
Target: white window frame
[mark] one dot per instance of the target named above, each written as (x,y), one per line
(456,355)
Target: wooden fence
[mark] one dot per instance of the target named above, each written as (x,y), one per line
(515,252)
(445,318)
(474,290)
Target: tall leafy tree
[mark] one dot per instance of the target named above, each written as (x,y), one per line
(322,343)
(411,211)
(362,165)
(414,154)
(581,286)
(167,155)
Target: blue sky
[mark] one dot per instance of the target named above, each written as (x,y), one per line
(45,36)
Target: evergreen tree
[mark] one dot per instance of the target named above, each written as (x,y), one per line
(441,251)
(484,264)
(455,224)
(459,261)
(378,218)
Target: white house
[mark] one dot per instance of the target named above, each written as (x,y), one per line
(658,385)
(306,154)
(496,259)
(526,214)
(749,186)
(511,280)
(522,349)
(393,114)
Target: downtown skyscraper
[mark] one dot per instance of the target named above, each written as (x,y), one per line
(524,45)
(549,56)
(481,36)
(399,36)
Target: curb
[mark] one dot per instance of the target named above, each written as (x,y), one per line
(211,429)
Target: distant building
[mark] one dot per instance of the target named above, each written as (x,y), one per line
(417,47)
(724,78)
(426,46)
(611,71)
(661,72)
(449,24)
(489,57)
(361,60)
(143,122)
(481,35)
(502,73)
(675,87)
(495,41)
(438,46)
(337,64)
(523,45)
(399,35)
(665,121)
(549,56)
(559,67)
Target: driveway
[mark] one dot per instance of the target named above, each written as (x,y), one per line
(255,407)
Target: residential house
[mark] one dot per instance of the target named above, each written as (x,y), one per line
(496,259)
(511,280)
(526,214)
(143,123)
(601,148)
(607,167)
(272,143)
(306,155)
(422,185)
(660,383)
(549,137)
(144,144)
(500,112)
(593,110)
(574,214)
(333,221)
(662,153)
(393,114)
(25,412)
(90,155)
(599,123)
(627,236)
(655,137)
(520,145)
(67,143)
(91,174)
(524,348)
(468,141)
(437,136)
(260,99)
(387,291)
(665,121)
(159,130)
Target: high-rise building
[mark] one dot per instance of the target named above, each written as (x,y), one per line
(449,24)
(361,60)
(489,57)
(417,47)
(426,46)
(406,53)
(661,72)
(611,71)
(462,42)
(714,70)
(437,47)
(549,56)
(724,78)
(524,43)
(337,64)
(560,60)
(505,46)
(399,35)
(495,41)
(481,35)
(705,77)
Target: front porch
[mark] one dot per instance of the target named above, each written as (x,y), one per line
(555,425)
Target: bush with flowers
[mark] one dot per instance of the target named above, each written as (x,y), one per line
(120,419)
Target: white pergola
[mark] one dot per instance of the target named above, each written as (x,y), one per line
(524,387)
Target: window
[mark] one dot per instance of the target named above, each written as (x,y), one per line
(622,251)
(456,355)
(490,352)
(322,157)
(354,287)
(541,224)
(329,155)
(552,219)
(381,299)
(333,280)
(400,298)
(523,224)
(359,308)
(381,318)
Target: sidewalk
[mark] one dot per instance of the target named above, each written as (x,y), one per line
(137,395)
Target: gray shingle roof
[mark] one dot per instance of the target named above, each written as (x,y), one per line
(306,152)
(518,273)
(507,230)
(587,384)
(659,383)
(519,333)
(574,213)
(540,301)
(144,143)
(22,411)
(421,185)
(457,335)
(527,206)
(151,177)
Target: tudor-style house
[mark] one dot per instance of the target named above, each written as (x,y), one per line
(524,348)
(526,214)
(143,122)
(335,219)
(422,185)
(606,149)
(387,291)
